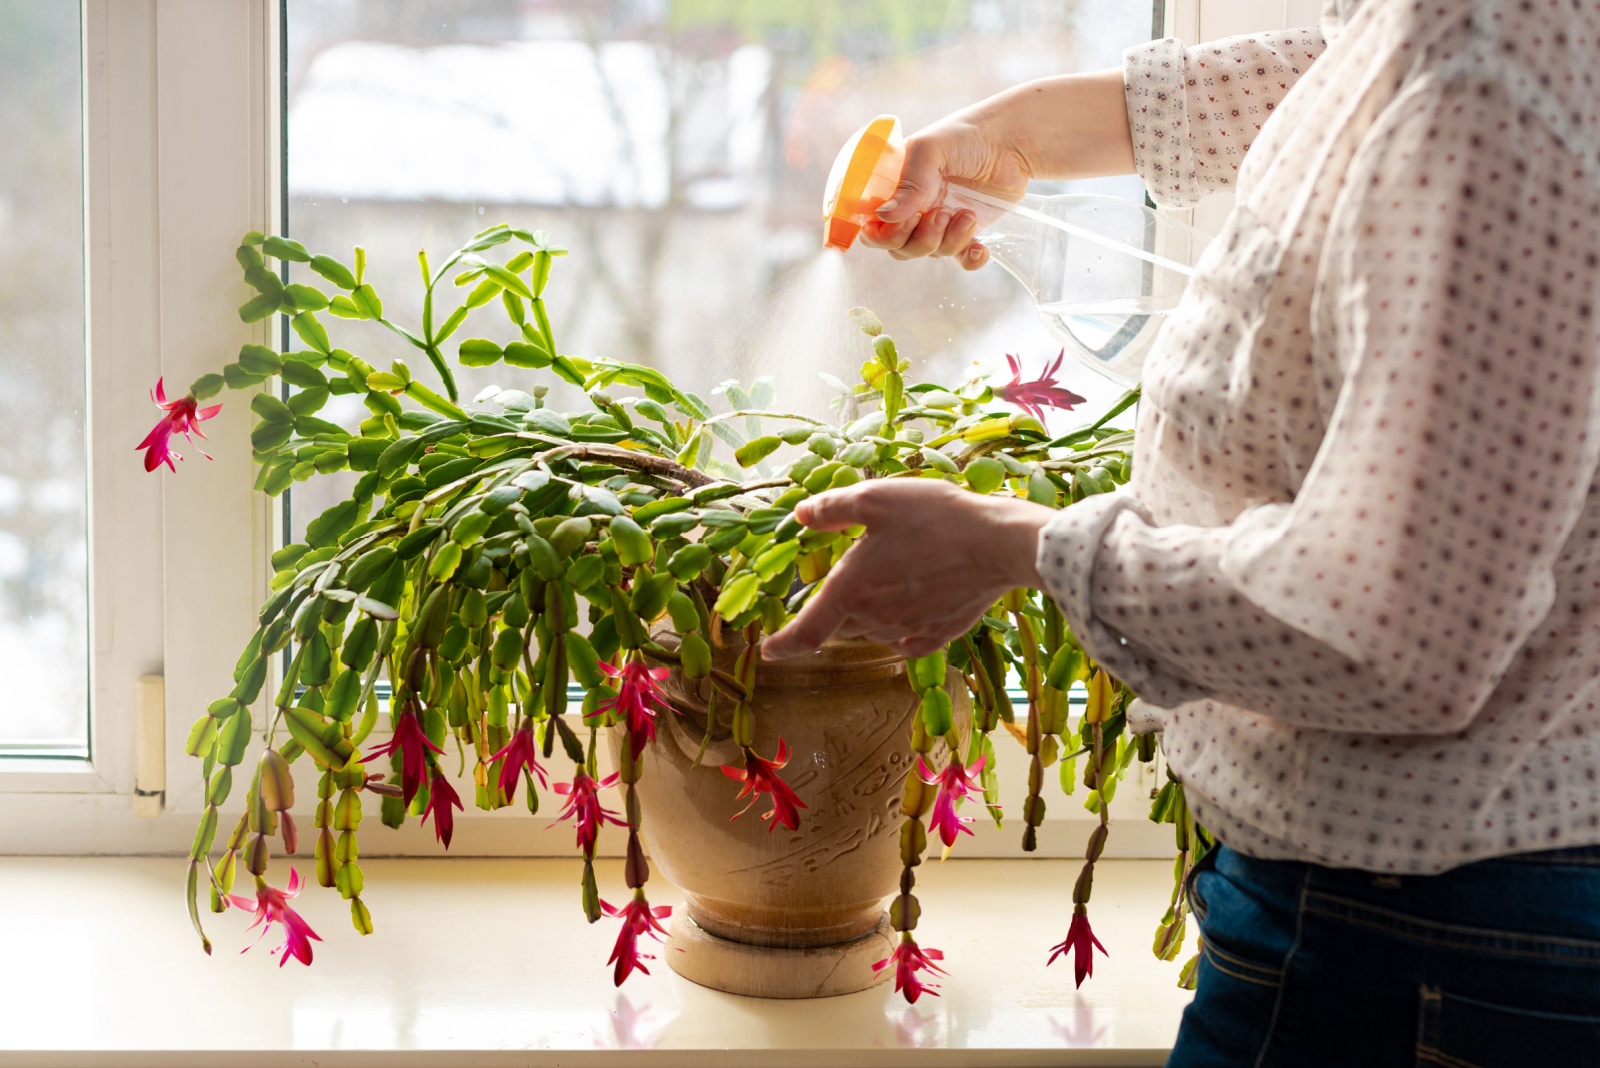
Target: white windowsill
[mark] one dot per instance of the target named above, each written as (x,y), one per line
(489,962)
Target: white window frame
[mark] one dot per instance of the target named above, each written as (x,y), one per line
(182,156)
(179,137)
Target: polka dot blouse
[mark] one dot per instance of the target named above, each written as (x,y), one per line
(1356,575)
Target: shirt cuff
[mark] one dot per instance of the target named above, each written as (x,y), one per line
(1155,86)
(1068,563)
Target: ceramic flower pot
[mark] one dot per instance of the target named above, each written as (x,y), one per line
(775,912)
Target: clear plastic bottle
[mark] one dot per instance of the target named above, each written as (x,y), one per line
(1103,272)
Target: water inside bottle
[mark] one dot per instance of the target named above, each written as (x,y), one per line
(1114,334)
(1104,272)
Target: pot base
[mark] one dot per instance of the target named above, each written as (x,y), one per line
(769,972)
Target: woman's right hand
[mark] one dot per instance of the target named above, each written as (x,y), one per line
(959,147)
(1069,126)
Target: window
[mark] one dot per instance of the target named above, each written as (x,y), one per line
(680,152)
(44,555)
(183,126)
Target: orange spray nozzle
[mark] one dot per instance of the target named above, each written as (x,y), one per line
(863,176)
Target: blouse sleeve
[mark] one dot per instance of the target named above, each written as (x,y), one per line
(1194,112)
(1419,556)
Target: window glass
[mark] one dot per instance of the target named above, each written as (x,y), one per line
(44,479)
(679,148)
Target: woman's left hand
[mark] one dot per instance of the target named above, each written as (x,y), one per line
(932,561)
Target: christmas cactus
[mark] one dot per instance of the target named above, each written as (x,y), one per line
(494,553)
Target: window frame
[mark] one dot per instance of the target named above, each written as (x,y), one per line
(182,155)
(179,129)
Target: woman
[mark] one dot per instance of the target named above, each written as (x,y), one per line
(1356,575)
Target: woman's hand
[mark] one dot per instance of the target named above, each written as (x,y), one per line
(965,148)
(1074,126)
(934,558)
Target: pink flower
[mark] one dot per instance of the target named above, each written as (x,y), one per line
(638,918)
(183,416)
(441,795)
(583,806)
(638,691)
(955,785)
(760,776)
(1081,943)
(1033,397)
(909,959)
(409,740)
(271,906)
(521,752)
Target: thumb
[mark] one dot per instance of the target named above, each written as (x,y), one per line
(837,509)
(921,180)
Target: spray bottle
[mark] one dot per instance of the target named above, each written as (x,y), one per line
(1102,271)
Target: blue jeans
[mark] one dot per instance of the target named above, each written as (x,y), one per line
(1492,965)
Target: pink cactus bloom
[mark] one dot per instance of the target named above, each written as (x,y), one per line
(409,741)
(1081,943)
(955,784)
(271,906)
(441,797)
(909,959)
(1043,392)
(584,808)
(760,776)
(638,698)
(521,752)
(182,416)
(638,918)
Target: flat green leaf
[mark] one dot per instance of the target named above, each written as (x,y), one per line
(327,528)
(522,354)
(286,249)
(480,352)
(307,401)
(508,280)
(985,474)
(258,308)
(457,317)
(739,595)
(207,386)
(268,436)
(259,360)
(333,271)
(366,301)
(755,450)
(546,421)
(344,307)
(311,331)
(306,298)
(302,374)
(271,408)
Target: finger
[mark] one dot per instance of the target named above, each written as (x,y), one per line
(888,236)
(816,623)
(924,240)
(918,645)
(838,509)
(974,257)
(889,636)
(963,225)
(921,179)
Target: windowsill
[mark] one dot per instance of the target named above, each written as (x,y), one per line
(488,962)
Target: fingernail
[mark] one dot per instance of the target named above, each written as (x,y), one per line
(942,219)
(974,253)
(888,205)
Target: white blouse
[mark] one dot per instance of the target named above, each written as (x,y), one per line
(1357,569)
